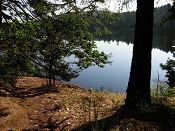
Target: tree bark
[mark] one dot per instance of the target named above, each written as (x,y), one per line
(138,90)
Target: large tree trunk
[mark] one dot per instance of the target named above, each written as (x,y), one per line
(138,91)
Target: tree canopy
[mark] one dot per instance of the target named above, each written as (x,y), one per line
(51,33)
(169,66)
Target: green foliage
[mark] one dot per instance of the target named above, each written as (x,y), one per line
(126,20)
(158,87)
(169,66)
(161,89)
(170,92)
(15,37)
(170,15)
(66,35)
(45,47)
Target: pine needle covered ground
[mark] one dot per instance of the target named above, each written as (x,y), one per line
(33,106)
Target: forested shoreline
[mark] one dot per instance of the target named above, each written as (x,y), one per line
(124,24)
(126,21)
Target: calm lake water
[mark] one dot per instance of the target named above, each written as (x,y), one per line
(115,77)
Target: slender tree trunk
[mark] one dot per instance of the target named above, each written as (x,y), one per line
(50,71)
(138,90)
(0,14)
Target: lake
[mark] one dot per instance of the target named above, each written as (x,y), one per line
(115,77)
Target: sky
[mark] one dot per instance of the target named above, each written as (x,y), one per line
(114,6)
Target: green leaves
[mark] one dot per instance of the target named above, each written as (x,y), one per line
(16,40)
(43,46)
(169,66)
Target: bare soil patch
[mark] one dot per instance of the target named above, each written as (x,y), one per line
(32,106)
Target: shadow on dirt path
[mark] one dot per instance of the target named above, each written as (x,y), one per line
(27,91)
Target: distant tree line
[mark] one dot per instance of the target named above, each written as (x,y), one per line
(126,20)
(122,28)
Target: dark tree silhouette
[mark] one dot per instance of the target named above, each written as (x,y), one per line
(138,90)
(0,14)
(170,72)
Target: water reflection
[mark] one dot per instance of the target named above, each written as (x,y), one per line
(161,40)
(115,77)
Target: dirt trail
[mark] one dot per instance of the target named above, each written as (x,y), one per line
(33,107)
(16,117)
